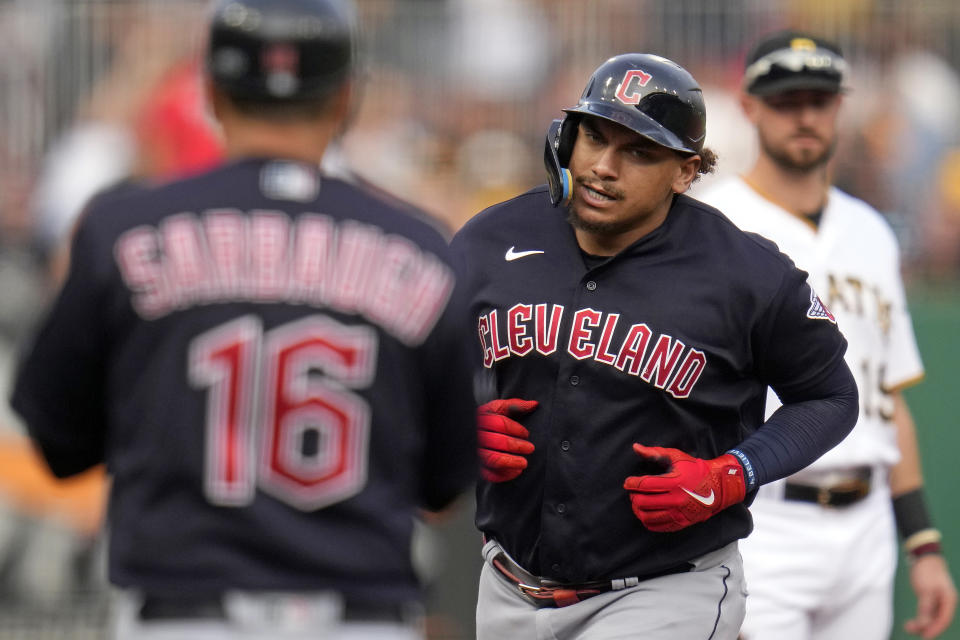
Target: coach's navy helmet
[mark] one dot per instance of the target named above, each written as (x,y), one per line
(646,93)
(793,60)
(281,49)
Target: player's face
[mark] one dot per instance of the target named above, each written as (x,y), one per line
(797,130)
(623,185)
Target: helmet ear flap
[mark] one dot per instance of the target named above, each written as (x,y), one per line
(556,156)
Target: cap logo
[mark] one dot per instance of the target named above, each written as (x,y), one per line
(280,63)
(628,89)
(280,58)
(803,44)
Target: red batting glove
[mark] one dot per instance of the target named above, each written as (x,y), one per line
(690,491)
(500,438)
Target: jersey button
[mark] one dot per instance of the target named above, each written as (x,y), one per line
(591,285)
(574,380)
(561,508)
(565,445)
(555,567)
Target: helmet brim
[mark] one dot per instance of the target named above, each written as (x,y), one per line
(635,121)
(797,82)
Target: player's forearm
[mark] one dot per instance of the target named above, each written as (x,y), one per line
(906,475)
(920,537)
(802,430)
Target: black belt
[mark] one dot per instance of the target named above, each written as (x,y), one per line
(542,592)
(212,608)
(842,494)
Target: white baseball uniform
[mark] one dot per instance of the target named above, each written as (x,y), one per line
(818,572)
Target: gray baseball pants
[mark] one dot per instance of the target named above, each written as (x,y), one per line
(706,603)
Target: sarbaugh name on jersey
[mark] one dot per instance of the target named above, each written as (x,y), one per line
(227,256)
(661,360)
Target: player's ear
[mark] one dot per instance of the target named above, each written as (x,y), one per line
(343,102)
(341,108)
(749,104)
(214,98)
(686,173)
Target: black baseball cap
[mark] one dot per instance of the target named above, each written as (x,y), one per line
(791,60)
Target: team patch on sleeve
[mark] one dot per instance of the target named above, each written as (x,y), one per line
(817,310)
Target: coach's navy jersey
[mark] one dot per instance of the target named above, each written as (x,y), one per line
(269,360)
(670,343)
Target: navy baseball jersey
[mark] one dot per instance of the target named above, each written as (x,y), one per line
(670,343)
(268,360)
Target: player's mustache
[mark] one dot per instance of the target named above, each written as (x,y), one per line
(807,133)
(600,186)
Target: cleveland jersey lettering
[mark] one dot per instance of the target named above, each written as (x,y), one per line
(660,360)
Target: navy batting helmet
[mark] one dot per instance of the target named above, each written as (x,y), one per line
(646,93)
(280,49)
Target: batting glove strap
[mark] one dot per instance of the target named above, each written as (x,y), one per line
(502,442)
(690,491)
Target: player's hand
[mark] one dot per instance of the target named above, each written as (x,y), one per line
(502,441)
(936,596)
(689,491)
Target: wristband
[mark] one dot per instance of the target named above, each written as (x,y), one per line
(922,543)
(920,538)
(910,512)
(749,475)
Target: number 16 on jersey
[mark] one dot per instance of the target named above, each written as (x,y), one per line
(282,414)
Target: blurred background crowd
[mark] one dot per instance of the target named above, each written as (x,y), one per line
(456,99)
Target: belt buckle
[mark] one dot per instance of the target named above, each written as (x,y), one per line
(823,497)
(530,590)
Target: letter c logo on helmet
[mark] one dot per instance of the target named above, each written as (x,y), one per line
(628,94)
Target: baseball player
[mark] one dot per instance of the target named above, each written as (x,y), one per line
(821,559)
(269,361)
(629,333)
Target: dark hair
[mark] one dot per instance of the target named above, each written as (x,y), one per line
(280,110)
(708,162)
